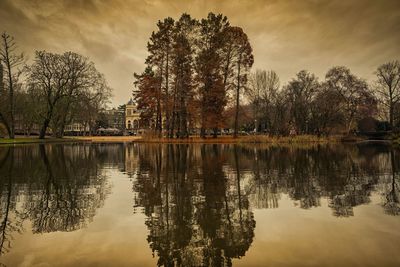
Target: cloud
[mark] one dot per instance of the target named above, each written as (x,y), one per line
(287,36)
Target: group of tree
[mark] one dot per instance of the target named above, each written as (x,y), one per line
(197,76)
(194,69)
(53,91)
(307,106)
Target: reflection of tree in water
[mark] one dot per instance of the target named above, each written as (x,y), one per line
(58,189)
(197,215)
(391,195)
(345,175)
(197,198)
(10,222)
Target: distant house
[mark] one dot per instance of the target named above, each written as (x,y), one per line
(116,118)
(132,117)
(76,128)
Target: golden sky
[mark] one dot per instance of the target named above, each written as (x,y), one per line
(287,36)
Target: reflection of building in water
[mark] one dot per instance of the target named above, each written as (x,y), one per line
(131,158)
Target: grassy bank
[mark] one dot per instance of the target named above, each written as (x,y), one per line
(94,139)
(33,140)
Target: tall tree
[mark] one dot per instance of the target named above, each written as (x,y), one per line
(60,79)
(159,48)
(148,97)
(183,78)
(11,61)
(352,90)
(263,93)
(241,55)
(301,91)
(388,87)
(208,72)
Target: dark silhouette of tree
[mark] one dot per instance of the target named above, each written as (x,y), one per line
(388,87)
(11,61)
(10,222)
(353,92)
(301,92)
(239,54)
(391,201)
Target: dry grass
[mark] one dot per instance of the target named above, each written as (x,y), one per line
(254,139)
(260,139)
(190,140)
(107,139)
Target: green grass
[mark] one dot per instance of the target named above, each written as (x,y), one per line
(33,140)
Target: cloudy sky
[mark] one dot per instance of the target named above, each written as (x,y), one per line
(286,36)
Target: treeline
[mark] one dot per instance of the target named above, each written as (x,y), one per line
(194,68)
(53,91)
(197,76)
(340,102)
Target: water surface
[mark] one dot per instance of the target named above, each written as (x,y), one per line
(199,205)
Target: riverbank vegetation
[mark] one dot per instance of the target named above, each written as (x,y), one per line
(198,78)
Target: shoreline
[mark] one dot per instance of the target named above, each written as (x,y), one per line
(254,139)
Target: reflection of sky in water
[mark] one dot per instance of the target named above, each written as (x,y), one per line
(294,212)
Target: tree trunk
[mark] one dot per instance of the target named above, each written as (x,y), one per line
(391,115)
(172,121)
(43,130)
(215,132)
(167,104)
(11,95)
(183,119)
(235,134)
(2,119)
(203,132)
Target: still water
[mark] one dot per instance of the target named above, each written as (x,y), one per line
(199,205)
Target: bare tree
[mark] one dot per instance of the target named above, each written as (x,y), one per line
(262,93)
(301,92)
(11,61)
(60,81)
(352,90)
(388,87)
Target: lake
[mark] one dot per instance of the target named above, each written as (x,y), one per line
(199,205)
